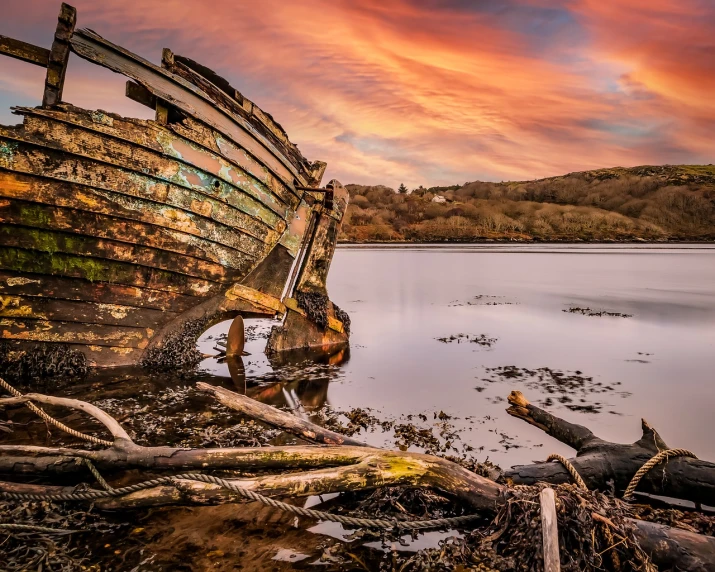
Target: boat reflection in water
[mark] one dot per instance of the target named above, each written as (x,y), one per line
(299,380)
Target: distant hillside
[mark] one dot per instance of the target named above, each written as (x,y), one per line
(639,203)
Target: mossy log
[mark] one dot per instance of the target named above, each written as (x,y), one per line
(604,465)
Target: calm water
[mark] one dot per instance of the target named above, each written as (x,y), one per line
(657,363)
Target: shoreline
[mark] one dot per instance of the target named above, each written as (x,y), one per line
(524,241)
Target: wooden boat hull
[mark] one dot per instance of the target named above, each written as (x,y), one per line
(120,236)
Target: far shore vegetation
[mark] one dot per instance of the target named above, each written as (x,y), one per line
(650,203)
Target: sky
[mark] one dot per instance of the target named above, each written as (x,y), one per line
(423,92)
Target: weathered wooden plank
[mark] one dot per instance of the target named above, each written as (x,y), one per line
(19,212)
(54,242)
(242,292)
(59,56)
(208,138)
(234,101)
(23,51)
(101,270)
(140,94)
(271,274)
(18,186)
(168,58)
(159,138)
(549,531)
(185,96)
(83,312)
(293,236)
(228,185)
(71,332)
(261,121)
(31,159)
(61,288)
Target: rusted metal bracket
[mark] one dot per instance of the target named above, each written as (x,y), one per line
(328,191)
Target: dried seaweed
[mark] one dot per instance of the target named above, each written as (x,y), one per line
(343,317)
(178,349)
(568,388)
(596,313)
(38,365)
(481,339)
(315,305)
(36,550)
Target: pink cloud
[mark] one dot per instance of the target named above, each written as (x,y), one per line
(425,93)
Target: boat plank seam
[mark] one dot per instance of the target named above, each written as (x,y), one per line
(76,116)
(132,214)
(42,239)
(164,203)
(271,218)
(86,267)
(93,47)
(53,223)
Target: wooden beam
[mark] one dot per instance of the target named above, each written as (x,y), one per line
(59,56)
(140,94)
(23,51)
(549,530)
(187,98)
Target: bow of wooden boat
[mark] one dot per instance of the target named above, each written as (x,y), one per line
(122,240)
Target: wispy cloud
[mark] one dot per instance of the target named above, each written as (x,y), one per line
(427,92)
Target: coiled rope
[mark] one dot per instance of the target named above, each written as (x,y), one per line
(570,468)
(39,411)
(33,528)
(250,495)
(662,456)
(111,492)
(630,489)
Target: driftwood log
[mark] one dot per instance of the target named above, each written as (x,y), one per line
(321,469)
(604,465)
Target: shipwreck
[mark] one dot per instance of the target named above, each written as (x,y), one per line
(119,236)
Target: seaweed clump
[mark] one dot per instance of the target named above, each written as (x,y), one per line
(178,349)
(343,317)
(315,305)
(42,363)
(67,549)
(511,541)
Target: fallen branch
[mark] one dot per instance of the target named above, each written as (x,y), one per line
(340,468)
(277,418)
(602,464)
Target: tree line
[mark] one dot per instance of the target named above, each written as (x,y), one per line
(640,203)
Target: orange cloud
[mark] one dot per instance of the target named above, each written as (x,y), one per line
(438,92)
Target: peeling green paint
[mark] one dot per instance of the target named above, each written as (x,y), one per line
(7,152)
